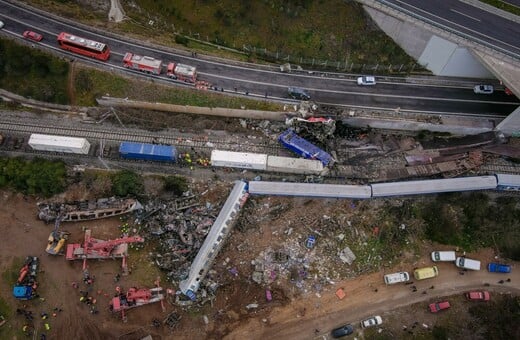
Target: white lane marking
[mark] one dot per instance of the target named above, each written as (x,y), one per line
(463,14)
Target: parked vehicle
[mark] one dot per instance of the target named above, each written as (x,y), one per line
(438,306)
(154,66)
(342,331)
(373,321)
(87,47)
(391,279)
(32,35)
(478,295)
(438,256)
(426,273)
(465,263)
(499,268)
(1,24)
(298,93)
(366,80)
(483,89)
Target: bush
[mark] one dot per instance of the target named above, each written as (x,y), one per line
(181,40)
(127,183)
(175,184)
(36,177)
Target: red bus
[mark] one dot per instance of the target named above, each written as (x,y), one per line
(83,46)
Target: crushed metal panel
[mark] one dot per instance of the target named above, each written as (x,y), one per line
(347,256)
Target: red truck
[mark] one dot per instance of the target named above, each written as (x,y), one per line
(154,66)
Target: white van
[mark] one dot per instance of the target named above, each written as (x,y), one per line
(443,256)
(465,263)
(390,279)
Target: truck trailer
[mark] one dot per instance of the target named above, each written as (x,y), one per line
(59,144)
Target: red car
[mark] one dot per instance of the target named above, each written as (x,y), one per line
(435,307)
(478,296)
(32,35)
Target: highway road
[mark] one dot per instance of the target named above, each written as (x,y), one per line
(459,16)
(407,94)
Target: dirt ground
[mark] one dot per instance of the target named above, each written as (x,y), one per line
(291,314)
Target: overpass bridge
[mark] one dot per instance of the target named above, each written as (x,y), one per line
(463,38)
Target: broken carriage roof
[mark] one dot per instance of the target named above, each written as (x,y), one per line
(88,209)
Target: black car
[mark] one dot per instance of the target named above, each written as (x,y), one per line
(298,93)
(342,331)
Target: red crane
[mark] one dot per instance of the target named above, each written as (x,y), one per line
(136,297)
(94,248)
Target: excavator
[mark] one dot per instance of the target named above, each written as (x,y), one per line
(94,248)
(57,239)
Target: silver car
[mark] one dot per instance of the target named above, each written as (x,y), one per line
(373,321)
(1,24)
(483,89)
(366,80)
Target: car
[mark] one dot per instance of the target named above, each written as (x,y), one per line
(373,321)
(342,331)
(478,295)
(426,273)
(391,279)
(1,24)
(448,256)
(298,93)
(366,80)
(499,268)
(32,36)
(483,89)
(438,306)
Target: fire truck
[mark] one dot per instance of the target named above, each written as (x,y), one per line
(142,63)
(182,72)
(154,66)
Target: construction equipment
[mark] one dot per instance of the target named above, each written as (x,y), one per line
(25,287)
(94,248)
(57,238)
(136,297)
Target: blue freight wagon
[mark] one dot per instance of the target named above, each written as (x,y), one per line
(302,147)
(148,152)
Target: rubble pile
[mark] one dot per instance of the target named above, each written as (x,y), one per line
(180,226)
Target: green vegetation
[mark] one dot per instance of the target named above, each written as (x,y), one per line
(499,317)
(503,6)
(32,73)
(127,183)
(36,177)
(474,220)
(176,184)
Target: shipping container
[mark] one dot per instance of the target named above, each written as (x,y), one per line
(309,189)
(59,144)
(434,186)
(294,165)
(149,152)
(304,148)
(241,160)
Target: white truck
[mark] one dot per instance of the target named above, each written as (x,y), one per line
(393,278)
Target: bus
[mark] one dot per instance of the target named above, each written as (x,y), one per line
(83,46)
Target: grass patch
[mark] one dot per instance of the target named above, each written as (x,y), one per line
(10,275)
(503,6)
(334,30)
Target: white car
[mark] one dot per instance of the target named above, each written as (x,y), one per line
(373,321)
(483,89)
(366,80)
(1,24)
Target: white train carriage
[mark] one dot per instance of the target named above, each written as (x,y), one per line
(294,165)
(243,160)
(434,186)
(508,182)
(59,144)
(309,189)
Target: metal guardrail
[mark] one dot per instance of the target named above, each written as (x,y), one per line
(462,35)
